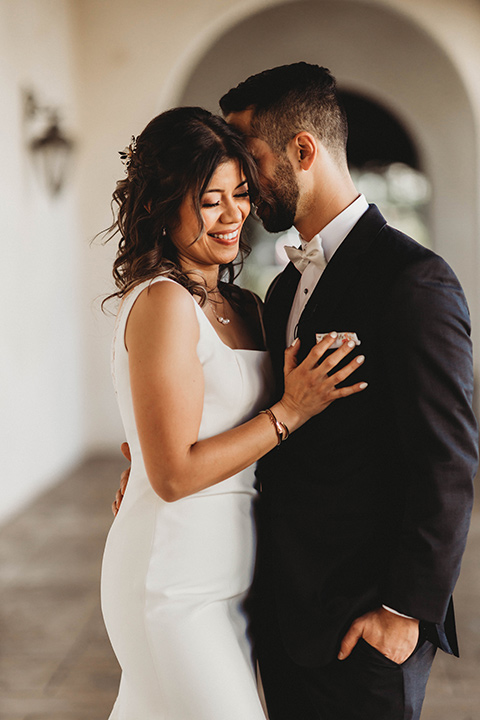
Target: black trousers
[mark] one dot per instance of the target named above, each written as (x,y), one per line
(365,686)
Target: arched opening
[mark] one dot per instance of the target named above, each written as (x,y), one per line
(375,135)
(386,165)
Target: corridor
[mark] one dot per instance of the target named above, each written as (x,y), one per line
(55,659)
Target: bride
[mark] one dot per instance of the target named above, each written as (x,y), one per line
(193,383)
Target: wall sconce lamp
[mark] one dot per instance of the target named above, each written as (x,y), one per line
(51,150)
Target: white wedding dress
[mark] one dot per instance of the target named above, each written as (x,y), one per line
(175,575)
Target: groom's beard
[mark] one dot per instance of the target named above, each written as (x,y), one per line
(278,205)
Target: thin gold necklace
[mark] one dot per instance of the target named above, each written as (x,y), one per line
(220,318)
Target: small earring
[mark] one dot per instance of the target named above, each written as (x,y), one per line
(164,231)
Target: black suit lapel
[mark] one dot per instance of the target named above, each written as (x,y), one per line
(348,260)
(346,263)
(277,309)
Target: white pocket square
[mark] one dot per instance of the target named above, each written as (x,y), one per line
(343,337)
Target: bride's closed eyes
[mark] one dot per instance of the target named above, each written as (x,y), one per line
(216,204)
(241,191)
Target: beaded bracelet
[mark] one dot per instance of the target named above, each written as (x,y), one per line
(280,427)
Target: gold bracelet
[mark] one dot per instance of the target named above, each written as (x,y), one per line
(280,427)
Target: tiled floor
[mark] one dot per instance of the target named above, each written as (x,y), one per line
(55,660)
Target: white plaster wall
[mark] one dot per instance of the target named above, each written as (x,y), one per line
(134,62)
(41,416)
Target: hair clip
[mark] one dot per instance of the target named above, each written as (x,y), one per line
(126,154)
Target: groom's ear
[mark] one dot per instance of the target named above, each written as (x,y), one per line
(303,150)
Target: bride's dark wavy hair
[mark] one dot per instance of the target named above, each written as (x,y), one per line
(174,158)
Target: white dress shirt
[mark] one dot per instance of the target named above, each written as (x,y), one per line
(331,237)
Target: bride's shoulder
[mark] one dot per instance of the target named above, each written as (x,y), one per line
(164,286)
(167,294)
(161,301)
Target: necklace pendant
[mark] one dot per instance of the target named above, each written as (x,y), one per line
(222,320)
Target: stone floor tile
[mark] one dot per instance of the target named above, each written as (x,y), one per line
(25,675)
(43,618)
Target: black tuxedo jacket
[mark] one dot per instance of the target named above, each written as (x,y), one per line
(369,502)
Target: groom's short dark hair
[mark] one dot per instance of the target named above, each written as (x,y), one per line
(288,99)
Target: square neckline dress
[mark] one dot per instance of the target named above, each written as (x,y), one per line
(175,575)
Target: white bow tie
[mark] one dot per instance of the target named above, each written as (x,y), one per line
(312,253)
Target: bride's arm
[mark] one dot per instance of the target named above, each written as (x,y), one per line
(167,389)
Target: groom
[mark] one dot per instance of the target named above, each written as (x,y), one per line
(364,511)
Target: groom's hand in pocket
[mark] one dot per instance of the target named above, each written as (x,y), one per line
(123,479)
(392,635)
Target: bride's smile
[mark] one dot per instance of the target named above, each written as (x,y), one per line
(224,207)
